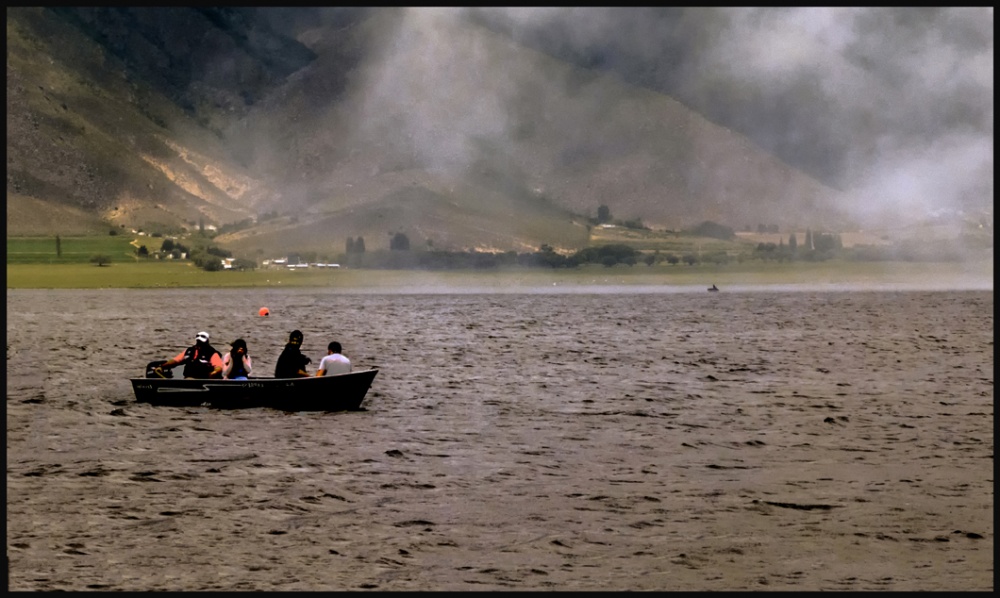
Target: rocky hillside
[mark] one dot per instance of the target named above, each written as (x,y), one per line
(362,122)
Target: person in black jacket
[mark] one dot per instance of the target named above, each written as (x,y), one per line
(292,363)
(200,360)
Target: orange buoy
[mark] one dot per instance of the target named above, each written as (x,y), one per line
(264,311)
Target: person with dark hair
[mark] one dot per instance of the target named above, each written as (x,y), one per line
(334,362)
(237,365)
(292,363)
(201,360)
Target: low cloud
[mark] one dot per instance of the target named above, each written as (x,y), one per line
(892,105)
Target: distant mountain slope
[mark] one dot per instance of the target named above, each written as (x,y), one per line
(385,121)
(479,104)
(433,215)
(82,132)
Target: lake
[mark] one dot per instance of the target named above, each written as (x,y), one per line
(771,439)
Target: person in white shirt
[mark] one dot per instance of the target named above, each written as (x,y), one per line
(334,362)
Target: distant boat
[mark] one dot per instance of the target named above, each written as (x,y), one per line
(713,289)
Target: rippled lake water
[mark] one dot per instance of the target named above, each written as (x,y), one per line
(816,439)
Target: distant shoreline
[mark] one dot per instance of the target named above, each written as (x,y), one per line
(831,275)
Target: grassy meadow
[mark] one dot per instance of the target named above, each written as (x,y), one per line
(73,250)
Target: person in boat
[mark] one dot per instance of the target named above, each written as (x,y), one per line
(237,365)
(713,288)
(334,362)
(292,363)
(200,360)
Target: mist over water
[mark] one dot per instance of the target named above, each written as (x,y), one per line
(443,288)
(890,109)
(892,106)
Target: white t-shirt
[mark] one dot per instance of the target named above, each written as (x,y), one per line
(334,364)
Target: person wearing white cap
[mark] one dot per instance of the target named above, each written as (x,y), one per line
(201,360)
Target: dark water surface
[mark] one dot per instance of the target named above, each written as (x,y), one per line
(757,440)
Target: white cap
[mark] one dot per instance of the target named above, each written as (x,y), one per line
(202,336)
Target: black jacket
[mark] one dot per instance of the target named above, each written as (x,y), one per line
(198,361)
(290,362)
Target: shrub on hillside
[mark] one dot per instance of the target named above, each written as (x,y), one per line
(714,230)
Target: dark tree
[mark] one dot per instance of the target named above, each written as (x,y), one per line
(244,264)
(350,245)
(218,251)
(399,242)
(826,242)
(603,214)
(142,251)
(58,246)
(714,230)
(606,254)
(792,242)
(809,239)
(359,245)
(168,245)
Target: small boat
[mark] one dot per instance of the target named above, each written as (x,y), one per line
(341,392)
(713,289)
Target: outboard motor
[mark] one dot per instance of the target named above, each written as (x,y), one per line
(155,364)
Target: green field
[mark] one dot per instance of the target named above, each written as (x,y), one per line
(153,274)
(32,263)
(74,250)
